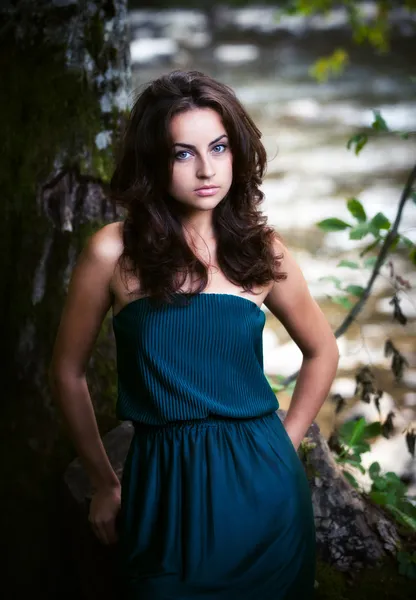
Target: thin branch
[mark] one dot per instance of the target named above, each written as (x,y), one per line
(388,241)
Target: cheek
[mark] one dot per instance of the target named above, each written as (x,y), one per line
(229,166)
(175,177)
(179,181)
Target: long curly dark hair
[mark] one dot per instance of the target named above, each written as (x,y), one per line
(155,248)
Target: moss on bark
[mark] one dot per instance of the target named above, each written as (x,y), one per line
(379,583)
(50,116)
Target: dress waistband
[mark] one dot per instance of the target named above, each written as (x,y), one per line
(210,421)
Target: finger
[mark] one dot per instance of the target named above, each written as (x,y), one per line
(111,531)
(103,532)
(98,531)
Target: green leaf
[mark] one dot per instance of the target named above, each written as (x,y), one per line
(280,377)
(404,557)
(379,484)
(394,243)
(334,280)
(392,476)
(379,124)
(358,431)
(391,497)
(333,224)
(370,262)
(291,386)
(355,290)
(343,301)
(380,221)
(359,140)
(374,470)
(394,480)
(412,255)
(360,231)
(328,66)
(372,430)
(405,504)
(407,242)
(275,389)
(349,264)
(361,447)
(351,479)
(356,209)
(345,431)
(370,246)
(351,432)
(403,517)
(379,498)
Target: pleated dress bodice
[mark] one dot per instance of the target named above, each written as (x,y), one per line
(181,362)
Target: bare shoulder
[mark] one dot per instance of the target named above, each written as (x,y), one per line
(286,293)
(279,247)
(106,244)
(88,300)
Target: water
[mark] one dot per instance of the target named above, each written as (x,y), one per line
(311,173)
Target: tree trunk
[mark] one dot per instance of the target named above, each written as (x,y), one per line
(351,531)
(64,68)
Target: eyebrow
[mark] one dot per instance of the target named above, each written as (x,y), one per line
(191,147)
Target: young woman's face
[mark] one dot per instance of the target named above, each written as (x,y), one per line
(201,159)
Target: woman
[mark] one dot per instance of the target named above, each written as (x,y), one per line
(214,502)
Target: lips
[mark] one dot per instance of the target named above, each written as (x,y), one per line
(207,191)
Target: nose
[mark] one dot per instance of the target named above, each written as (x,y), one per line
(205,168)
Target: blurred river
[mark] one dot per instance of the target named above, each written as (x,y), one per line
(306,126)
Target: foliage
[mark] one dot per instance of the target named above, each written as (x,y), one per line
(378,227)
(280,385)
(354,437)
(387,489)
(407,564)
(371,27)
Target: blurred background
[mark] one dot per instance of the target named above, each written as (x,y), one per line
(311,74)
(266,55)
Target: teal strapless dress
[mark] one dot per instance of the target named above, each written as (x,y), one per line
(215,501)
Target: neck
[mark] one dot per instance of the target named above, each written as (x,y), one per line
(199,228)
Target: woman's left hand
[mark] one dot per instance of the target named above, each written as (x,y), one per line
(294,434)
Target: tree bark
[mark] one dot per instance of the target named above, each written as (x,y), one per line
(64,67)
(351,531)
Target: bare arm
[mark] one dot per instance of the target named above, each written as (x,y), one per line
(290,301)
(87,303)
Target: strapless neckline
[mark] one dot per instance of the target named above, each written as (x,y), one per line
(217,295)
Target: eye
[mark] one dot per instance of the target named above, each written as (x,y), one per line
(179,155)
(223,146)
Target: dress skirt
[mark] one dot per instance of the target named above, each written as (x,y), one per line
(216,509)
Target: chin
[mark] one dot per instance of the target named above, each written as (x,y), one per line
(200,204)
(207,204)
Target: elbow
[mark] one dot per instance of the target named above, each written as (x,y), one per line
(51,374)
(334,354)
(54,373)
(330,348)
(60,375)
(333,344)
(327,351)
